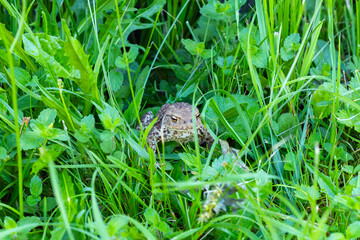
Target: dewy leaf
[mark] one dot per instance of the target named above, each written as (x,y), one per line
(35,186)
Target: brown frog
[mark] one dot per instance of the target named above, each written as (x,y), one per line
(175,123)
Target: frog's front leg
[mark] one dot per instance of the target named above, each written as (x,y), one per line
(205,136)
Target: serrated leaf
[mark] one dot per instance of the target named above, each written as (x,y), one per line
(30,140)
(82,72)
(189,159)
(35,186)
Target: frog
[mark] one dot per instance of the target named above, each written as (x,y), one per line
(175,123)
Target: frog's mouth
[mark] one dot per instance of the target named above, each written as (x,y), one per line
(183,128)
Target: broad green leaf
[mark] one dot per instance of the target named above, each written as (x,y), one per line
(35,186)
(251,40)
(323,93)
(163,227)
(30,222)
(290,160)
(30,140)
(196,49)
(22,76)
(151,216)
(353,230)
(107,145)
(48,51)
(120,61)
(115,224)
(46,117)
(307,193)
(46,156)
(231,114)
(87,125)
(33,200)
(116,80)
(189,159)
(3,153)
(292,42)
(110,117)
(336,236)
(50,203)
(9,223)
(287,124)
(221,10)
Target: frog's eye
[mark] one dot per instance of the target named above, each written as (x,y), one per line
(173,119)
(197,115)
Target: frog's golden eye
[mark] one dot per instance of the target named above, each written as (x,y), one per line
(173,119)
(198,115)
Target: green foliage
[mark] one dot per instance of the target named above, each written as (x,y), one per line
(196,49)
(291,45)
(42,130)
(277,88)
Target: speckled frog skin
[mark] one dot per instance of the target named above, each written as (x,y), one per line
(175,123)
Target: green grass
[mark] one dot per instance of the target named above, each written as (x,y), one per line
(277,86)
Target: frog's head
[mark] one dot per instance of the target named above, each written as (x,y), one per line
(179,116)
